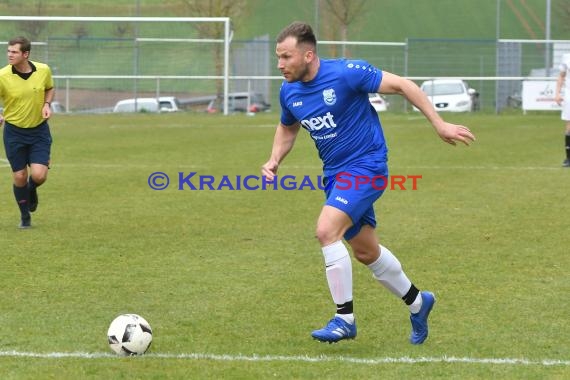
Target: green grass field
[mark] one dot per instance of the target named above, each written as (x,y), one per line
(232,282)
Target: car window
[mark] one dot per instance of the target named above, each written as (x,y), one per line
(240,102)
(443,89)
(166,105)
(257,98)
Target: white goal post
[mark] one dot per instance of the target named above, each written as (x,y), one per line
(225,40)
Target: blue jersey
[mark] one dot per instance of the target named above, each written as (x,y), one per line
(334,108)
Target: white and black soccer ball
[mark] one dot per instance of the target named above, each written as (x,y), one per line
(129,335)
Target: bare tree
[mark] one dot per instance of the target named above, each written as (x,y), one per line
(344,12)
(234,9)
(80,31)
(563,14)
(34,28)
(122,29)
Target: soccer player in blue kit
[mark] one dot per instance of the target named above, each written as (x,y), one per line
(329,98)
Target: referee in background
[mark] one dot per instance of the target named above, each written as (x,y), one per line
(26,91)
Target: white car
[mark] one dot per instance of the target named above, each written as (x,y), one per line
(451,95)
(162,104)
(379,103)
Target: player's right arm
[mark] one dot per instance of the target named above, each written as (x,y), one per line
(283,142)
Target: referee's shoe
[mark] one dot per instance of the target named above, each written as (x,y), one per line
(26,222)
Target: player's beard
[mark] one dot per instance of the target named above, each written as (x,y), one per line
(301,74)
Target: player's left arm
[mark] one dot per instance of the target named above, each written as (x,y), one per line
(283,142)
(1,113)
(559,82)
(48,98)
(450,133)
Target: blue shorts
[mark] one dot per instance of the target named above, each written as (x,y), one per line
(25,146)
(354,192)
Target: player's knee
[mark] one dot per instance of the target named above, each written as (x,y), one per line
(365,256)
(325,235)
(20,178)
(39,178)
(360,255)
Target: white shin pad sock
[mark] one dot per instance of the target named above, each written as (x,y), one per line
(388,271)
(338,272)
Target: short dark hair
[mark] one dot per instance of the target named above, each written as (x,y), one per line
(25,44)
(301,31)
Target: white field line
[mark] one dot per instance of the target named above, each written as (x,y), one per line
(305,359)
(4,163)
(190,125)
(307,167)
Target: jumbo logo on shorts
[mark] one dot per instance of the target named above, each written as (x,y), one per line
(341,200)
(329,97)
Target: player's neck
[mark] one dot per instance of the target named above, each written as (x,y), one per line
(313,70)
(23,67)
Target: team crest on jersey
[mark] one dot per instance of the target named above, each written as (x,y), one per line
(329,97)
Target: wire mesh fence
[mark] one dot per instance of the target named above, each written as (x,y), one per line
(97,62)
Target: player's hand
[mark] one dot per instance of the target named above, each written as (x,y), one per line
(269,169)
(1,120)
(558,99)
(46,111)
(450,133)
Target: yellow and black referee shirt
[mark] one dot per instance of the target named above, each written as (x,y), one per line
(24,99)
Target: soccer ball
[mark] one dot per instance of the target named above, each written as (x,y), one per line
(129,335)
